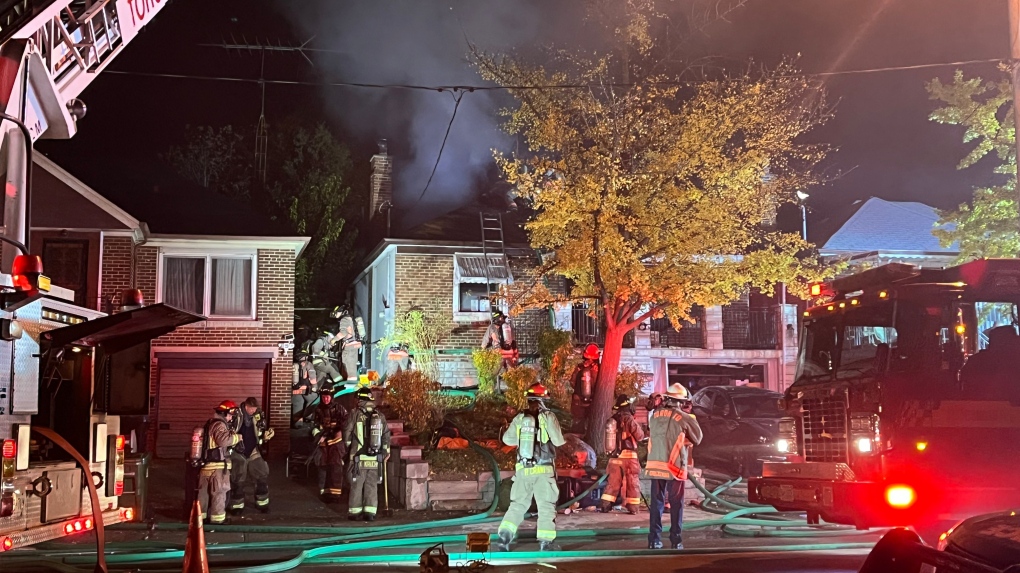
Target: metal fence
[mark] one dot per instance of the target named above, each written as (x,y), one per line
(750,328)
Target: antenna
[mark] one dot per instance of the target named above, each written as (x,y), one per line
(262,48)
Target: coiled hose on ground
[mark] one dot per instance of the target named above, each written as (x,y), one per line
(339,542)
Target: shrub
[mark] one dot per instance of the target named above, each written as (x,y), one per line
(558,358)
(487,364)
(420,329)
(413,397)
(486,420)
(629,382)
(518,380)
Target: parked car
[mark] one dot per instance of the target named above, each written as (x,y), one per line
(740,426)
(981,544)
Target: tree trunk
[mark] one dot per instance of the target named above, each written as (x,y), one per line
(605,387)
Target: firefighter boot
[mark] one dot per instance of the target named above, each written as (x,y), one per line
(369,516)
(549,546)
(505,541)
(632,508)
(605,506)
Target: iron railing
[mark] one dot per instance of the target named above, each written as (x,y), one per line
(690,334)
(588,329)
(750,328)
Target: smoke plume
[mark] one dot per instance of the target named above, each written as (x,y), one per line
(424,42)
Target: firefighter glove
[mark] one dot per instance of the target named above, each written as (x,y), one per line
(268,435)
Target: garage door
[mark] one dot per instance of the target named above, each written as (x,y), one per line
(187,397)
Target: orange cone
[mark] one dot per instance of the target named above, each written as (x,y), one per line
(195,558)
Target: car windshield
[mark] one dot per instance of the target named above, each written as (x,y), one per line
(848,343)
(759,406)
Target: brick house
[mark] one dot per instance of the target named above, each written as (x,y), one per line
(753,340)
(223,261)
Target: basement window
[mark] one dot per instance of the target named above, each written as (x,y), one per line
(216,286)
(470,275)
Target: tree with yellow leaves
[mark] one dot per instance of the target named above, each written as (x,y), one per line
(657,193)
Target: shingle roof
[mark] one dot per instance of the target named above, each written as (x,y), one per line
(880,225)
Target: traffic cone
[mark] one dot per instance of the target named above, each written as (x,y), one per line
(195,558)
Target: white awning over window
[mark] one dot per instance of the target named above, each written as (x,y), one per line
(475,269)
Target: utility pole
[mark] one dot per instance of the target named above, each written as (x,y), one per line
(1014,64)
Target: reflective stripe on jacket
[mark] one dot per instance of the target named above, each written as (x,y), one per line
(667,452)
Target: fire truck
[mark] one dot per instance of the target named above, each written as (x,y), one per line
(67,373)
(905,410)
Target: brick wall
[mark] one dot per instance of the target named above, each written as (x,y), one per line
(423,279)
(116,271)
(274,318)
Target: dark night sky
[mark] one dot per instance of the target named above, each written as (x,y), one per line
(886,145)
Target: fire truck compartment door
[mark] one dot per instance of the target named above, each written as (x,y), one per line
(64,499)
(123,330)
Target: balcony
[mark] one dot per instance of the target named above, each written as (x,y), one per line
(690,334)
(750,328)
(589,329)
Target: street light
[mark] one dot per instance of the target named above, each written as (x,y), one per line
(803,211)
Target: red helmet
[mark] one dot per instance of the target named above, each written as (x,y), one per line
(591,352)
(226,406)
(537,391)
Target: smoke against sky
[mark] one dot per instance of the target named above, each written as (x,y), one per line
(418,42)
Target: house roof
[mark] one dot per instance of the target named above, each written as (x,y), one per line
(880,225)
(463,225)
(162,207)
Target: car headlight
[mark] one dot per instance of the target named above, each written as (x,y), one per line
(783,445)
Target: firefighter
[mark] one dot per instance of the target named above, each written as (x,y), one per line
(536,434)
(323,361)
(367,437)
(583,380)
(397,359)
(304,388)
(327,431)
(622,436)
(672,432)
(248,458)
(500,335)
(349,334)
(218,438)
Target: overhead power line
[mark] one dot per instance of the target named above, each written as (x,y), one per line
(472,88)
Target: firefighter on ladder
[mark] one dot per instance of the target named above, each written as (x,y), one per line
(536,434)
(248,458)
(367,438)
(500,335)
(349,332)
(217,438)
(584,377)
(327,431)
(672,431)
(323,361)
(623,434)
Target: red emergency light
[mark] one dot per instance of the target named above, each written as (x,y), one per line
(26,273)
(900,496)
(127,514)
(6,544)
(120,443)
(10,449)
(78,525)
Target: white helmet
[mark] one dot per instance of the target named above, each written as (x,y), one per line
(678,392)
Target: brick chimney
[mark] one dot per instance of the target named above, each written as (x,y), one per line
(380,200)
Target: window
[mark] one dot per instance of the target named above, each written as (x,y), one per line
(219,286)
(471,273)
(851,344)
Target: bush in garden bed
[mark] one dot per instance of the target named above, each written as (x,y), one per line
(465,464)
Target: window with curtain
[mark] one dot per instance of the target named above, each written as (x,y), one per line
(184,283)
(212,286)
(231,287)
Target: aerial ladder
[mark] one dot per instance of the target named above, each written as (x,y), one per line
(50,51)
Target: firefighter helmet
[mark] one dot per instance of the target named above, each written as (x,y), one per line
(537,391)
(226,406)
(622,402)
(677,392)
(340,311)
(497,315)
(365,394)
(591,352)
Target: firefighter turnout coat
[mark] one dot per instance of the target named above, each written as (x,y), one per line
(366,459)
(624,470)
(214,477)
(535,476)
(668,452)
